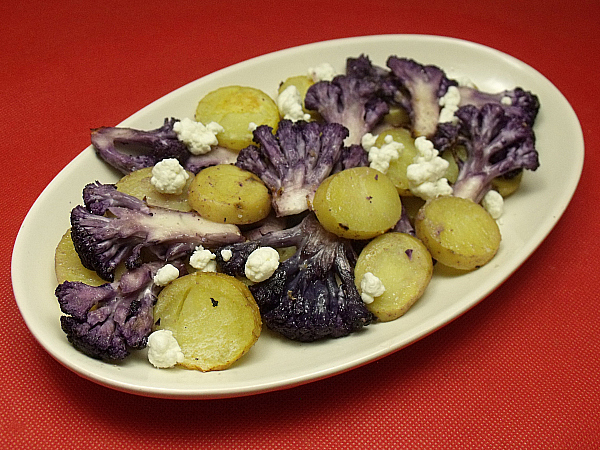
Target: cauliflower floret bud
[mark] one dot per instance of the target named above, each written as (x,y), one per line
(169,177)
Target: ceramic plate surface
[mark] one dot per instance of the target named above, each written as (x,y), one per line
(274,363)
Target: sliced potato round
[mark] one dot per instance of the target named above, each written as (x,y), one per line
(507,186)
(448,155)
(458,232)
(404,266)
(357,203)
(235,108)
(397,117)
(213,317)
(137,184)
(68,267)
(397,169)
(227,194)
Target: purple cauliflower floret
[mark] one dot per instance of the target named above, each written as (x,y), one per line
(293,161)
(516,102)
(496,143)
(353,101)
(150,147)
(312,294)
(389,87)
(424,85)
(104,241)
(107,321)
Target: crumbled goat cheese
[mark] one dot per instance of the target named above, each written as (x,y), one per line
(163,349)
(165,275)
(289,103)
(426,173)
(506,100)
(168,176)
(203,260)
(465,81)
(368,141)
(226,254)
(198,137)
(370,287)
(261,264)
(252,126)
(380,157)
(493,203)
(322,72)
(449,103)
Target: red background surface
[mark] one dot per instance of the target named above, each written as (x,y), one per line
(520,370)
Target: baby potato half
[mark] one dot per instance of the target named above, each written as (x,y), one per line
(213,316)
(227,194)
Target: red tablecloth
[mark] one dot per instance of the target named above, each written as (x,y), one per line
(519,370)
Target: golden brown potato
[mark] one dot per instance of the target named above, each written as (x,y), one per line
(357,203)
(227,194)
(458,232)
(68,267)
(404,266)
(397,117)
(137,184)
(507,186)
(213,317)
(235,108)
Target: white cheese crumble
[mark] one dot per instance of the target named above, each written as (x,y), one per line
(198,137)
(226,254)
(163,349)
(506,100)
(261,264)
(168,176)
(426,173)
(493,202)
(449,103)
(380,157)
(203,260)
(465,81)
(368,141)
(322,72)
(165,275)
(289,103)
(252,126)
(370,287)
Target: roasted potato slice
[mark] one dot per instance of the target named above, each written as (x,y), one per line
(235,108)
(357,203)
(213,316)
(404,266)
(458,232)
(227,194)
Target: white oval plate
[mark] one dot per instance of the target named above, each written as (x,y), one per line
(274,363)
